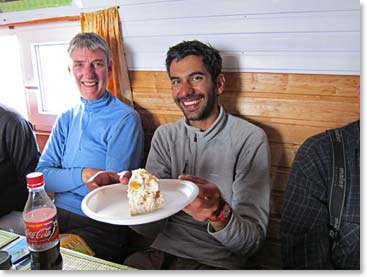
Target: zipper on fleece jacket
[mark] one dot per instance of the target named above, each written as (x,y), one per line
(193,168)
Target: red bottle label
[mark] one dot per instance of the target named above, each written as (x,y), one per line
(41,231)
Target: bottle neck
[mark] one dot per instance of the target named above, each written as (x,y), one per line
(37,189)
(37,193)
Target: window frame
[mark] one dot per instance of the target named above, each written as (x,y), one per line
(28,36)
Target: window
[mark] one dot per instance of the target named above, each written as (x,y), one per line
(12,93)
(39,75)
(56,90)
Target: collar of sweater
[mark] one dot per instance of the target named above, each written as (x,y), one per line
(216,127)
(96,104)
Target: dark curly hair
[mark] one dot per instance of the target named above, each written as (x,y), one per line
(211,57)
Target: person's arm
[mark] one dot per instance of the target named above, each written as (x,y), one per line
(104,178)
(57,178)
(304,224)
(22,148)
(246,228)
(207,204)
(125,146)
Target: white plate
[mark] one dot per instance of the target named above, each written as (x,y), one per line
(110,203)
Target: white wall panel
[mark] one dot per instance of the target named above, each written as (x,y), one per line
(318,63)
(208,8)
(253,36)
(295,62)
(313,36)
(290,23)
(281,42)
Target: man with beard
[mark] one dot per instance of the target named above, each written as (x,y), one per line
(225,156)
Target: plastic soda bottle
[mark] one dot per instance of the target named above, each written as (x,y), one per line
(41,225)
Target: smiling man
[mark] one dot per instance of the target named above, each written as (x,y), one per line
(100,133)
(194,92)
(90,71)
(228,159)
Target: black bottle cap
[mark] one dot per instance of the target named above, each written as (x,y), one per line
(5,260)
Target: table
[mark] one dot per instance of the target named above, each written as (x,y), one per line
(16,245)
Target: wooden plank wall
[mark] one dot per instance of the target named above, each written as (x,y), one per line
(42,138)
(289,107)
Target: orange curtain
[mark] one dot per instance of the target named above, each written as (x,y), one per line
(107,24)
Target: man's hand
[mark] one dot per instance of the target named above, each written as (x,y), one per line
(88,172)
(125,177)
(102,178)
(206,203)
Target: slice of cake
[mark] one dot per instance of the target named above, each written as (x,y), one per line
(143,192)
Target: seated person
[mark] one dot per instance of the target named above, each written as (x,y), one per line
(227,157)
(305,229)
(19,155)
(100,133)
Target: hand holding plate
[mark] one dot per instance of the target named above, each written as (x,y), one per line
(207,202)
(102,178)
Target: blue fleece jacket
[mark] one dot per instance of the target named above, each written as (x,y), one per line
(104,134)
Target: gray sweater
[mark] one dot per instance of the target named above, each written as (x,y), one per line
(233,154)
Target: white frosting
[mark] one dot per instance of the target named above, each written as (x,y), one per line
(144,193)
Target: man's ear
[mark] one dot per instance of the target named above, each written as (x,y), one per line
(220,83)
(110,68)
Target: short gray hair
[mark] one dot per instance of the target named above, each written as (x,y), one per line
(91,41)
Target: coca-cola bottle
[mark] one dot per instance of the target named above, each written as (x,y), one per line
(41,225)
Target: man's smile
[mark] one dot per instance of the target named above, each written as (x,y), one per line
(89,83)
(191,102)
